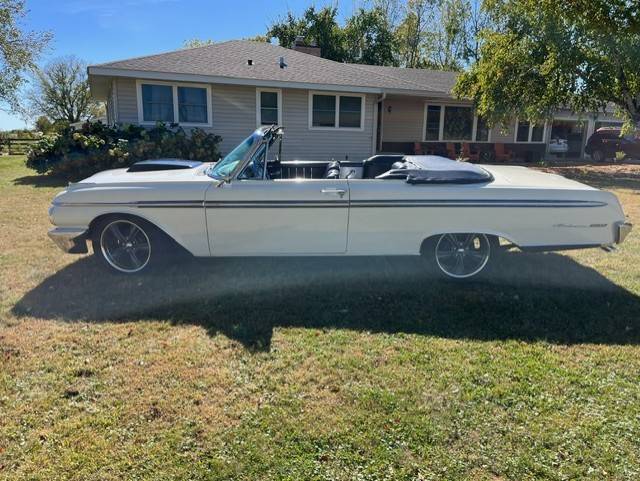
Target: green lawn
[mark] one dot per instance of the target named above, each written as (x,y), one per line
(327,369)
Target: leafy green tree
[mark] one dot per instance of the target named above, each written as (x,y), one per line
(18,50)
(319,26)
(369,38)
(60,91)
(196,42)
(412,31)
(448,35)
(544,54)
(43,124)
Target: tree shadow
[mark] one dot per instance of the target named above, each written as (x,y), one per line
(41,181)
(532,297)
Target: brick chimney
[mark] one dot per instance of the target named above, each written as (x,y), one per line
(299,45)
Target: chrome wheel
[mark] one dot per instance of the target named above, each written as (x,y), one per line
(462,255)
(598,156)
(125,246)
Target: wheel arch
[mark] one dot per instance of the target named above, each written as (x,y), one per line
(127,215)
(427,241)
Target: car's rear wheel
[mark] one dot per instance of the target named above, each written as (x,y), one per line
(598,156)
(461,255)
(125,245)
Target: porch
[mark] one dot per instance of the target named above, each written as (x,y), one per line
(443,126)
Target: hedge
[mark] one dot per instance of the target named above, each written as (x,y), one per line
(77,154)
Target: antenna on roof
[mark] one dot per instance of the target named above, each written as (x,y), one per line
(283,64)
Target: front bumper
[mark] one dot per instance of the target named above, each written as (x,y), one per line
(622,231)
(70,239)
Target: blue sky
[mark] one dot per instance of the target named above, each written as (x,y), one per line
(103,30)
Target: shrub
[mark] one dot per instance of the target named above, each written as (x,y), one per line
(76,154)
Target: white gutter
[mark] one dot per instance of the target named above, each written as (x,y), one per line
(377,142)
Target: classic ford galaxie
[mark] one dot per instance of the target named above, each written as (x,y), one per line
(253,203)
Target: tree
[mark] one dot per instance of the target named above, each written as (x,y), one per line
(196,42)
(544,54)
(43,124)
(391,10)
(369,38)
(18,50)
(319,26)
(448,35)
(478,20)
(60,91)
(411,32)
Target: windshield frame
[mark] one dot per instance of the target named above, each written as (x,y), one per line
(257,139)
(263,134)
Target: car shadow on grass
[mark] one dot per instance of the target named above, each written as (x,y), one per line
(532,297)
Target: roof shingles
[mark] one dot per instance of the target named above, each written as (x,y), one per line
(229,59)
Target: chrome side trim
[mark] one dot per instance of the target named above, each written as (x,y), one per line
(623,230)
(71,240)
(477,203)
(542,203)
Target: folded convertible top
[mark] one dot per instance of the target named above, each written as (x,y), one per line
(433,169)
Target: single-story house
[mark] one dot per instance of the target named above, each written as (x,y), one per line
(330,110)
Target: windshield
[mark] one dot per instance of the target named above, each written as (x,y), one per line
(226,166)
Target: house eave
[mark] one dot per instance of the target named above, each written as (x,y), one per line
(96,72)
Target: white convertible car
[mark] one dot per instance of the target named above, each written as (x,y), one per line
(252,203)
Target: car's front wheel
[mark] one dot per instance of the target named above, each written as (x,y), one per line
(125,245)
(461,256)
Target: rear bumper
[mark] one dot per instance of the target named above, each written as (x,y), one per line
(70,239)
(622,231)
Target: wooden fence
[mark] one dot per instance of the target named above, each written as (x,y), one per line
(15,146)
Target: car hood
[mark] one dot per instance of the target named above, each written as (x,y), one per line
(122,176)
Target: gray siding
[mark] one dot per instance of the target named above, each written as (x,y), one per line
(234,114)
(303,143)
(127,104)
(234,118)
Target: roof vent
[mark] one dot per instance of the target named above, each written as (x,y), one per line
(249,62)
(283,64)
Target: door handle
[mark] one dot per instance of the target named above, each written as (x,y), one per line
(339,192)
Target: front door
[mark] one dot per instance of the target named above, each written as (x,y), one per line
(278,217)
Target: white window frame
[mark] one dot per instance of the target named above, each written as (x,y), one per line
(529,141)
(176,113)
(337,95)
(258,105)
(474,128)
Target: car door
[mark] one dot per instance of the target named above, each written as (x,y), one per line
(277,217)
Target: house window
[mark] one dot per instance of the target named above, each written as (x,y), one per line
(528,132)
(433,122)
(324,110)
(350,109)
(192,105)
(454,123)
(336,111)
(269,107)
(157,103)
(458,123)
(185,104)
